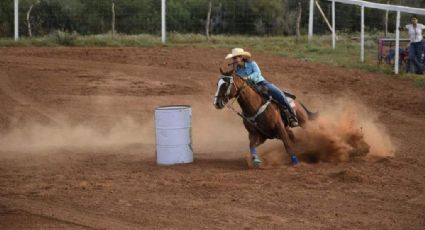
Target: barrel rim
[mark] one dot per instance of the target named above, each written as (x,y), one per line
(172,107)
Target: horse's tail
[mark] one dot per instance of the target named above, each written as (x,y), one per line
(311,115)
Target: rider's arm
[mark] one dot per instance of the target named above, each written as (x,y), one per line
(256,72)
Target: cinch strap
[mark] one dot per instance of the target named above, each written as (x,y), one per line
(260,111)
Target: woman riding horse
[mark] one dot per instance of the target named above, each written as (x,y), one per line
(249,70)
(261,117)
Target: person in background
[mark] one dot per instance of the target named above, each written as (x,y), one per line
(249,70)
(416,47)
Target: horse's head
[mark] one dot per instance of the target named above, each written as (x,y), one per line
(226,90)
(228,69)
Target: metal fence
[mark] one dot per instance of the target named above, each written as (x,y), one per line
(251,17)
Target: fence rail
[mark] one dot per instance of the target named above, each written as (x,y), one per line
(249,17)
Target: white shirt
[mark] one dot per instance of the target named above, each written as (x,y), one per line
(415,33)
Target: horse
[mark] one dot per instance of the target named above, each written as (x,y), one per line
(261,115)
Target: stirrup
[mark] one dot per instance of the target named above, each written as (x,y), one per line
(291,118)
(293,122)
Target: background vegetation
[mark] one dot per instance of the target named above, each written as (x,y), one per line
(253,17)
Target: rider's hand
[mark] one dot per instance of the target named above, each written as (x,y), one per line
(245,78)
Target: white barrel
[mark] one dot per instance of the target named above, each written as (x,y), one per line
(173,134)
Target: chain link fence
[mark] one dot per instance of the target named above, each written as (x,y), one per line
(246,17)
(251,17)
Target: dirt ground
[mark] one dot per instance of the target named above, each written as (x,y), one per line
(77,146)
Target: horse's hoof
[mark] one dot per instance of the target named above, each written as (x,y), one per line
(294,160)
(257,162)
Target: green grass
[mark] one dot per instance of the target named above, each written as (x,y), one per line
(319,49)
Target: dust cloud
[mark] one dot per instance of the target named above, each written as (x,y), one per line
(35,137)
(342,132)
(213,131)
(218,131)
(345,131)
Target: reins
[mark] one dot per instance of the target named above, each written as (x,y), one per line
(251,119)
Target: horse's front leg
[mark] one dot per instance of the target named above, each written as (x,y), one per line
(285,139)
(254,141)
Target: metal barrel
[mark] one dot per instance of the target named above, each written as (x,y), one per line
(173,128)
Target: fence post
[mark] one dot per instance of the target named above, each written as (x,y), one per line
(397,43)
(16,20)
(163,30)
(310,20)
(333,25)
(362,35)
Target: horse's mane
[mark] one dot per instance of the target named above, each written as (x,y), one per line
(248,83)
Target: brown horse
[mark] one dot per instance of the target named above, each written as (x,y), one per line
(261,116)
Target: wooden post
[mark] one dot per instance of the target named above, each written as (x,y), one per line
(207,24)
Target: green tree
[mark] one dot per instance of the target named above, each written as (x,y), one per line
(6,18)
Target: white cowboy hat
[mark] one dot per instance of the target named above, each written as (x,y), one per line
(238,52)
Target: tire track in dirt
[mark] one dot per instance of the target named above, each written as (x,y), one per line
(44,63)
(67,215)
(23,103)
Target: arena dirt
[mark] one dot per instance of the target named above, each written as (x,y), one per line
(77,145)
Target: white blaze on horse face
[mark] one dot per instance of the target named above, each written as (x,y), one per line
(219,84)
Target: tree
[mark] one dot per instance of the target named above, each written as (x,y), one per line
(113,18)
(32,3)
(208,22)
(298,32)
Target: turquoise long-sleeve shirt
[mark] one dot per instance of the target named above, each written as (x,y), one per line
(251,70)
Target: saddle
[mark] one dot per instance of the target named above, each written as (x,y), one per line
(263,91)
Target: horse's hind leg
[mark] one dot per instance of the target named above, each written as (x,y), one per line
(254,141)
(290,134)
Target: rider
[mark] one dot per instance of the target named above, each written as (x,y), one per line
(249,70)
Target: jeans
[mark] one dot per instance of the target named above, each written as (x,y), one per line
(416,49)
(278,95)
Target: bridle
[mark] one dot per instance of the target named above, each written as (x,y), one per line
(239,90)
(229,88)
